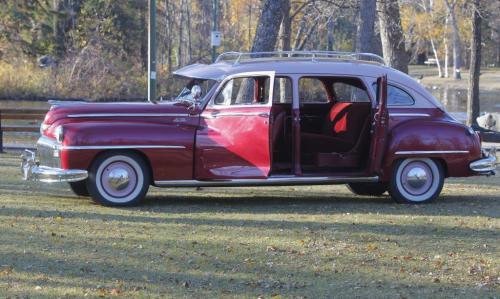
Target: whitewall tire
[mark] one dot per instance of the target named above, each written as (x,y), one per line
(416,180)
(118,179)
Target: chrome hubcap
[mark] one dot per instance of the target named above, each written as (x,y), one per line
(118,179)
(416,177)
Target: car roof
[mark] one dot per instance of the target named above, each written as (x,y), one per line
(219,70)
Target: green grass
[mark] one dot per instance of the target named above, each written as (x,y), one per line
(275,242)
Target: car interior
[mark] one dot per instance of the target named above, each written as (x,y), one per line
(335,125)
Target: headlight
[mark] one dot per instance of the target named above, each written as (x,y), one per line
(44,128)
(59,133)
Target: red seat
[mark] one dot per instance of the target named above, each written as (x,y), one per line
(343,126)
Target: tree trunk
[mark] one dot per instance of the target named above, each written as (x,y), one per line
(475,66)
(180,60)
(366,24)
(58,28)
(457,45)
(187,6)
(286,29)
(269,24)
(391,34)
(330,37)
(168,36)
(144,39)
(436,55)
(446,48)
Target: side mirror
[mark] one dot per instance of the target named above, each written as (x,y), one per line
(196,92)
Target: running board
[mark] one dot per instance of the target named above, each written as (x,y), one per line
(271,181)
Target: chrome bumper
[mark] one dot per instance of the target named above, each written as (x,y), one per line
(32,171)
(487,164)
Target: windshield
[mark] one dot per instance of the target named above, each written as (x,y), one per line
(179,88)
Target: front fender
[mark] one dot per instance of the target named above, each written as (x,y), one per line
(168,148)
(450,142)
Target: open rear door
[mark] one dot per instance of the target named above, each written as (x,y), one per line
(380,127)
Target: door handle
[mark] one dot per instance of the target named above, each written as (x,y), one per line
(212,114)
(264,114)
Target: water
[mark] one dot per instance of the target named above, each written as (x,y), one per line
(455,101)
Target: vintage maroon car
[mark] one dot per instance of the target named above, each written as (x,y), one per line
(260,119)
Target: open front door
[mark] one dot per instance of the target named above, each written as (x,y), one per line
(380,127)
(233,139)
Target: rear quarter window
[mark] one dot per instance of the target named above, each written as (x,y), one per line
(397,96)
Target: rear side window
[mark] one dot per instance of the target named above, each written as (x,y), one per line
(312,90)
(347,92)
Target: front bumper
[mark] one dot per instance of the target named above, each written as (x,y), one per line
(32,171)
(486,165)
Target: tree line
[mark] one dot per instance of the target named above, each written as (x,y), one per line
(98,48)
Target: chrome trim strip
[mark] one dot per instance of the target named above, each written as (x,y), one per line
(93,115)
(276,181)
(222,114)
(98,147)
(57,146)
(430,152)
(409,115)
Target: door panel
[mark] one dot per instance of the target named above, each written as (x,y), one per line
(233,142)
(379,127)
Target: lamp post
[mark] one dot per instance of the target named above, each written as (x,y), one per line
(215,37)
(152,52)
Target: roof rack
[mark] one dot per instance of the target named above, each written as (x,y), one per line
(238,57)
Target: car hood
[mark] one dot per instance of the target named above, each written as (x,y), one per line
(111,110)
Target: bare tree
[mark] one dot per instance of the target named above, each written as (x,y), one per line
(269,24)
(366,24)
(475,65)
(457,44)
(286,28)
(391,34)
(446,47)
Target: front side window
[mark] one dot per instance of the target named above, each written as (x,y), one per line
(244,91)
(180,88)
(282,93)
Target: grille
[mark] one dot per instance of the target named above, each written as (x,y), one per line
(46,157)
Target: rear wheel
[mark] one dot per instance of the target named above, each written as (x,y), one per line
(118,179)
(416,180)
(368,189)
(79,188)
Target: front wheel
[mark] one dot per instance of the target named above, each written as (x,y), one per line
(118,179)
(416,180)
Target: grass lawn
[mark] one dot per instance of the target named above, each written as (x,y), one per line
(274,242)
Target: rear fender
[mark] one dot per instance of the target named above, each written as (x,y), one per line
(452,143)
